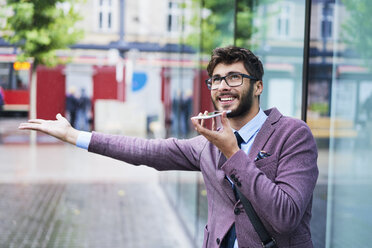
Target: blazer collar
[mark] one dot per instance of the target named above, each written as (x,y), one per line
(265,132)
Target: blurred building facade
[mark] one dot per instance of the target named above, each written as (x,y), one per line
(151,55)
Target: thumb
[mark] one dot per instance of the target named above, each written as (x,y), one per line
(60,117)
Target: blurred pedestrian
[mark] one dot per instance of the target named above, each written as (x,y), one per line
(71,106)
(2,103)
(256,163)
(83,111)
(2,100)
(186,112)
(367,133)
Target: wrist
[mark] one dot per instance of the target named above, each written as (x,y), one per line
(72,135)
(231,152)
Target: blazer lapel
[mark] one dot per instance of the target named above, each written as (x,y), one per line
(265,132)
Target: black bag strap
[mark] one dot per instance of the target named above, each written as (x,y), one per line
(266,240)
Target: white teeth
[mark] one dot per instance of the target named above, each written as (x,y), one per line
(227,99)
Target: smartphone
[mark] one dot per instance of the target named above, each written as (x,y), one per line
(209,115)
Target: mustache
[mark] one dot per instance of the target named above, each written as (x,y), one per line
(227,94)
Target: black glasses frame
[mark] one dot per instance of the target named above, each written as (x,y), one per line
(209,80)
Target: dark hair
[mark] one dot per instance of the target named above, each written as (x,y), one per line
(231,54)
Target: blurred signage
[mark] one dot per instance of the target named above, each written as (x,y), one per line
(138,81)
(21,66)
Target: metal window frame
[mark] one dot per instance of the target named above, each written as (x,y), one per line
(305,64)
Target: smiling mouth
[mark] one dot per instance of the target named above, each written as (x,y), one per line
(225,99)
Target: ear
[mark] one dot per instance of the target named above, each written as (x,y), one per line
(258,88)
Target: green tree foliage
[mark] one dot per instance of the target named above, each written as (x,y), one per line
(40,28)
(221,24)
(357,31)
(245,28)
(214,19)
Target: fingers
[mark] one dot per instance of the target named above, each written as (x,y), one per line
(214,124)
(224,121)
(203,121)
(195,122)
(198,124)
(38,121)
(30,126)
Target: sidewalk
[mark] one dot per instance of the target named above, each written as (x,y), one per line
(62,196)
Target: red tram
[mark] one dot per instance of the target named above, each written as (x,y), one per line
(15,79)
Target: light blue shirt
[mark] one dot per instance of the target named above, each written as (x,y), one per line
(83,139)
(248,133)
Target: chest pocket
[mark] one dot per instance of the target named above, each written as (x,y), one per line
(268,165)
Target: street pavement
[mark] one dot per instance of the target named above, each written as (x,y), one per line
(57,195)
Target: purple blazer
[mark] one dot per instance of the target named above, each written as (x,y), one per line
(280,187)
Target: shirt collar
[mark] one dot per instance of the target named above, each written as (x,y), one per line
(253,126)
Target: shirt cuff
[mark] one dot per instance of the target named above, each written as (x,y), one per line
(83,139)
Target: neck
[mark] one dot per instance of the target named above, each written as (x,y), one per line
(238,122)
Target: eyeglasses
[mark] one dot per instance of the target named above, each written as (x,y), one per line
(232,80)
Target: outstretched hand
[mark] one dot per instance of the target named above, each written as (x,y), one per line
(224,138)
(60,128)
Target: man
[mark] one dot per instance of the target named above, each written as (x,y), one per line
(275,169)
(2,101)
(72,106)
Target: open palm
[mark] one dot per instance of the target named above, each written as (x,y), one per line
(60,128)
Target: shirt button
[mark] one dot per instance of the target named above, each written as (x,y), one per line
(236,211)
(218,241)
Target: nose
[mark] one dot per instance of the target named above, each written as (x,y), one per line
(223,85)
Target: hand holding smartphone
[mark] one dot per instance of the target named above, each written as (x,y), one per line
(209,115)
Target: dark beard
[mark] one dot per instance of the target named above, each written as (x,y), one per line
(245,104)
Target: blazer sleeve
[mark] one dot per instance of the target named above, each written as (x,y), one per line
(283,199)
(160,154)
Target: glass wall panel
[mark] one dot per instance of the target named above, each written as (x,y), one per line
(339,103)
(349,221)
(183,24)
(274,30)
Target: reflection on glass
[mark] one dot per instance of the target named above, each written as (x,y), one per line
(277,38)
(349,220)
(180,76)
(216,20)
(248,14)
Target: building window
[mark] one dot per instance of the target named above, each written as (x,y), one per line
(283,21)
(174,22)
(105,9)
(327,20)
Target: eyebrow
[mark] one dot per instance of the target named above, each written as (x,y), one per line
(229,73)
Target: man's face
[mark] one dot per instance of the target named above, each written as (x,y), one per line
(237,99)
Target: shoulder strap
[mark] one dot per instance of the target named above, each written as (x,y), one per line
(266,240)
